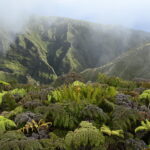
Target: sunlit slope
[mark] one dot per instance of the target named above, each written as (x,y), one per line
(51,46)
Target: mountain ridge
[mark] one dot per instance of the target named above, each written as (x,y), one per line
(52,46)
(130,65)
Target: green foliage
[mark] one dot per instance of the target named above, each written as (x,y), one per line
(78,83)
(145,97)
(54,143)
(14,112)
(116,82)
(15,140)
(1,96)
(6,124)
(57,114)
(60,47)
(4,83)
(124,118)
(105,129)
(145,126)
(86,136)
(93,94)
(27,144)
(107,105)
(21,92)
(8,102)
(7,98)
(92,112)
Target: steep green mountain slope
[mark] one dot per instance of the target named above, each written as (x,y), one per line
(51,46)
(132,64)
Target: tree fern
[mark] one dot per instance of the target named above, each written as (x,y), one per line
(6,124)
(124,118)
(15,140)
(54,143)
(57,114)
(86,136)
(93,112)
(144,126)
(93,94)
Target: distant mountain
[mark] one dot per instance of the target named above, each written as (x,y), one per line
(52,46)
(133,64)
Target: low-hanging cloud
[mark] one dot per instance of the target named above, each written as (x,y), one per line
(130,13)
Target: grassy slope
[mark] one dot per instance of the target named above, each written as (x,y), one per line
(132,64)
(53,46)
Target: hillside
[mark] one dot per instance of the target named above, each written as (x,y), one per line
(51,46)
(110,114)
(132,64)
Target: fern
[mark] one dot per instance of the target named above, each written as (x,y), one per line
(21,92)
(86,136)
(145,97)
(57,114)
(116,81)
(54,143)
(106,130)
(15,140)
(93,112)
(14,112)
(4,83)
(144,126)
(12,135)
(1,96)
(93,94)
(6,124)
(124,118)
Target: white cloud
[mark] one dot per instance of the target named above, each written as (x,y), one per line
(125,12)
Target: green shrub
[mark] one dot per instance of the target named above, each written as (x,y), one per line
(57,114)
(124,118)
(145,97)
(93,94)
(116,82)
(8,102)
(105,129)
(6,124)
(4,83)
(21,92)
(14,112)
(1,96)
(145,126)
(85,137)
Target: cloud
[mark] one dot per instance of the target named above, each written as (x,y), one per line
(130,13)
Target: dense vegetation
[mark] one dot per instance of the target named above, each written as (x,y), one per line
(109,114)
(51,46)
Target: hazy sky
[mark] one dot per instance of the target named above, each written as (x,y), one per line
(130,13)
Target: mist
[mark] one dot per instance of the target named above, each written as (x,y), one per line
(129,13)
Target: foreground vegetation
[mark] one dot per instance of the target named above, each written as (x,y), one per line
(109,114)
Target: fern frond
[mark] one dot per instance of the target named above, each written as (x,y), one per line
(105,129)
(144,126)
(6,124)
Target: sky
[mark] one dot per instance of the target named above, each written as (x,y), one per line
(129,13)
